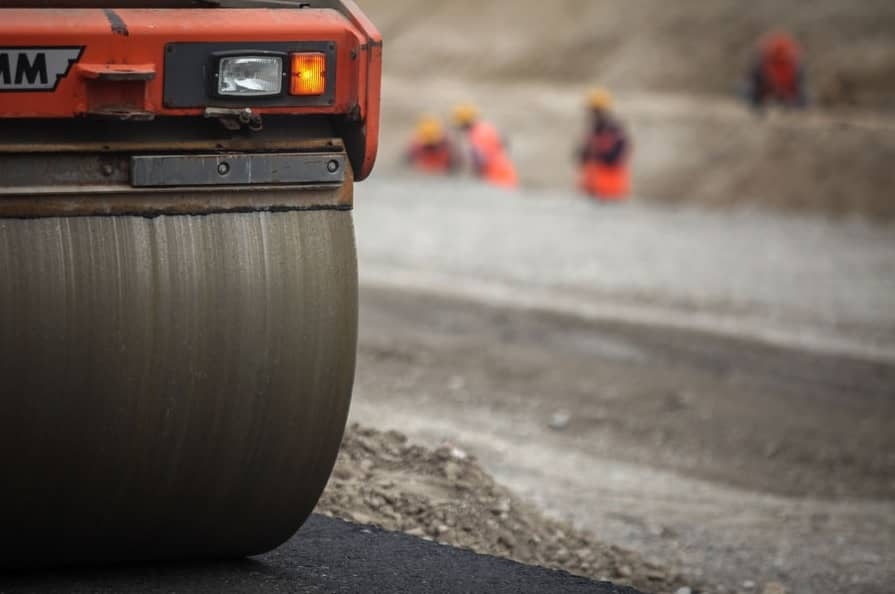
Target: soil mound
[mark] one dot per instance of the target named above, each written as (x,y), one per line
(445,496)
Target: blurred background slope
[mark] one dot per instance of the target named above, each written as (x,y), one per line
(675,68)
(694,46)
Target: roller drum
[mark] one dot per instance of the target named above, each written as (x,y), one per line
(172,387)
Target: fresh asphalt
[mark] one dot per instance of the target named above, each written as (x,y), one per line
(327,555)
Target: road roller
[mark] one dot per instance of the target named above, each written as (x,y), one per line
(178,283)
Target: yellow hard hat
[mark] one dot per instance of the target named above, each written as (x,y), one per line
(465,114)
(599,98)
(429,130)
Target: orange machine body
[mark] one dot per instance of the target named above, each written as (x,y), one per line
(121,58)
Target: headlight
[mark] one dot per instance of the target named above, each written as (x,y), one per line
(250,76)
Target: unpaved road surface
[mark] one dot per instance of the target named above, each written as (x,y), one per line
(738,461)
(803,281)
(712,389)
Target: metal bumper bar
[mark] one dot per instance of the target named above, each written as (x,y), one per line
(236,169)
(67,184)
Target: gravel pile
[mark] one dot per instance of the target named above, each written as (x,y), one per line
(445,496)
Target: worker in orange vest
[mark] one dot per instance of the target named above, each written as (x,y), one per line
(603,154)
(431,150)
(777,74)
(487,150)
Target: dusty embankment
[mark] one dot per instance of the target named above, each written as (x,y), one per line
(687,149)
(674,69)
(699,47)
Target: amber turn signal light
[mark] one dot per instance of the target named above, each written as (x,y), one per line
(308,74)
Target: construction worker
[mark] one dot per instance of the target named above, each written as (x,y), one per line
(776,74)
(431,151)
(603,154)
(487,150)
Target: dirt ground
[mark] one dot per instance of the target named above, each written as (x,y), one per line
(732,463)
(674,69)
(746,460)
(443,494)
(795,280)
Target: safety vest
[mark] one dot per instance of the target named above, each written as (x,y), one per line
(600,176)
(432,158)
(780,78)
(490,157)
(606,182)
(780,57)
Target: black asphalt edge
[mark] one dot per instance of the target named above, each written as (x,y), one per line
(327,555)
